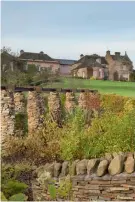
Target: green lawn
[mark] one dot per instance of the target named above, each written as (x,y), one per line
(117,87)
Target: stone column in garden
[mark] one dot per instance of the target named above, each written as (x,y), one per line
(19,100)
(82,100)
(35,111)
(7,114)
(70,102)
(55,109)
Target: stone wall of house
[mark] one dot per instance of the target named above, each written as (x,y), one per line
(109,178)
(82,73)
(55,66)
(118,70)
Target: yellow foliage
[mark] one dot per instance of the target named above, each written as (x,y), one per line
(129,105)
(92,78)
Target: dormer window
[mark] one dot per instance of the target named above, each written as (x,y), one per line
(98,60)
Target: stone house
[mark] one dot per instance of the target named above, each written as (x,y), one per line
(112,67)
(90,66)
(119,66)
(42,60)
(10,62)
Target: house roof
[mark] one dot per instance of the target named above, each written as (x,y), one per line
(6,58)
(90,61)
(42,56)
(66,62)
(121,58)
(35,56)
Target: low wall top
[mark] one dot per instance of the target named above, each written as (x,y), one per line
(39,89)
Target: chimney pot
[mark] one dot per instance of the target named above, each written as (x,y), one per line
(117,53)
(108,52)
(41,52)
(21,52)
(81,55)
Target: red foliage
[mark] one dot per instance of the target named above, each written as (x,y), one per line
(93,101)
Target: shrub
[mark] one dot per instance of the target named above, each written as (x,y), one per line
(93,101)
(13,178)
(3,198)
(13,148)
(92,78)
(84,133)
(129,105)
(21,123)
(15,197)
(113,103)
(107,133)
(73,136)
(47,147)
(132,76)
(111,133)
(13,187)
(18,197)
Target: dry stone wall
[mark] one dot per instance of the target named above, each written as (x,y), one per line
(7,114)
(109,178)
(70,102)
(35,111)
(82,100)
(19,100)
(15,103)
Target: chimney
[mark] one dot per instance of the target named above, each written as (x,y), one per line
(108,52)
(41,52)
(81,55)
(117,54)
(21,52)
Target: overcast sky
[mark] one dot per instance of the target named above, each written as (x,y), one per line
(68,29)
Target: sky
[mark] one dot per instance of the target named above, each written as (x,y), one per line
(68,29)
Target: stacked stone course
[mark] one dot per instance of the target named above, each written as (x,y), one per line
(35,111)
(19,100)
(14,104)
(70,102)
(86,183)
(82,101)
(7,114)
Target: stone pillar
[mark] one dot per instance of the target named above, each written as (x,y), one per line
(7,114)
(70,101)
(35,111)
(82,100)
(55,109)
(19,100)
